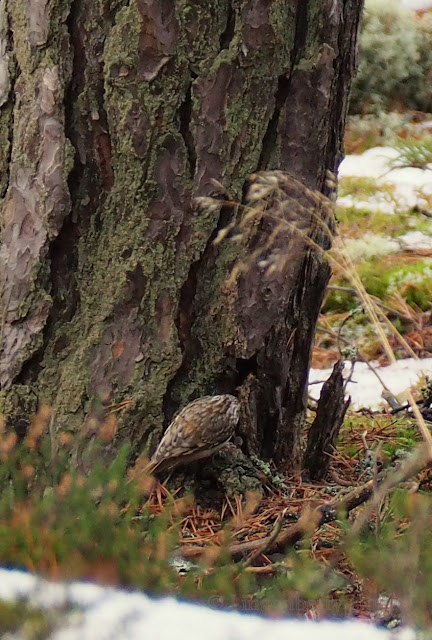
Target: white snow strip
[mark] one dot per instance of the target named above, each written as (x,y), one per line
(416,4)
(415,240)
(409,182)
(365,389)
(373,163)
(375,203)
(411,187)
(112,614)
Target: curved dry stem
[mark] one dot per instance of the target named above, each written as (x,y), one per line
(267,200)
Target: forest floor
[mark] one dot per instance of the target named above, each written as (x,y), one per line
(314,550)
(385,226)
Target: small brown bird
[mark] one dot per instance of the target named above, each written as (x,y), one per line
(196,432)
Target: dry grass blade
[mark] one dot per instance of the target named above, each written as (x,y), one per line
(285,208)
(288,204)
(373,312)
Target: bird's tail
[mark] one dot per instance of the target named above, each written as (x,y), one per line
(150,468)
(157,466)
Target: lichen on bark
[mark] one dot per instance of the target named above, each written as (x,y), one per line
(120,293)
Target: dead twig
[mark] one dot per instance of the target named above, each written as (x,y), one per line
(269,540)
(314,519)
(330,511)
(266,570)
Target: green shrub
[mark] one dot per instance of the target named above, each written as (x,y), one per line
(357,186)
(413,153)
(399,560)
(381,129)
(413,282)
(395,60)
(63,522)
(371,245)
(97,524)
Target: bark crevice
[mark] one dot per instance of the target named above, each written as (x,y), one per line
(283,88)
(187,313)
(111,281)
(7,97)
(271,135)
(229,31)
(185,116)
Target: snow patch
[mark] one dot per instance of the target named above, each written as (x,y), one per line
(98,613)
(415,240)
(365,388)
(409,182)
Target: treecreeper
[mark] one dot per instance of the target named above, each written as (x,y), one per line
(200,429)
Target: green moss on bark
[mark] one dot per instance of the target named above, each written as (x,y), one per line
(161,103)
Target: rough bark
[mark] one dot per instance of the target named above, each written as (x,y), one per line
(115,115)
(325,428)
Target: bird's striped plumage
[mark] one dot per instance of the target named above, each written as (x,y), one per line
(197,431)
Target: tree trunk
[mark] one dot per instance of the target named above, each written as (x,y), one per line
(115,116)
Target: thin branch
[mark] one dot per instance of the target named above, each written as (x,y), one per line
(331,511)
(269,540)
